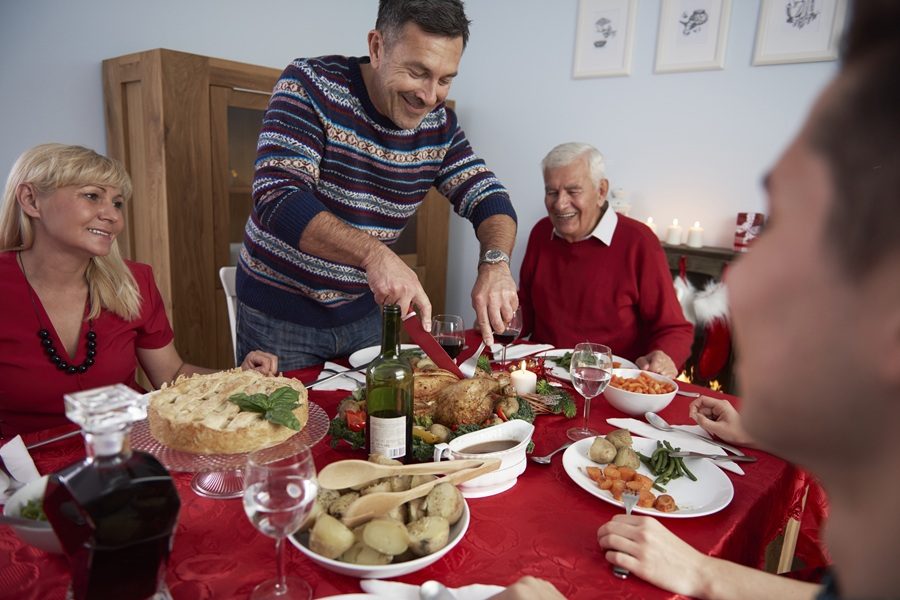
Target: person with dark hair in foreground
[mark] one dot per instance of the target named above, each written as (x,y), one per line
(816,315)
(348,149)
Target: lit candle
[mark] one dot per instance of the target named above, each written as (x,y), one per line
(673,233)
(695,236)
(523,380)
(651,224)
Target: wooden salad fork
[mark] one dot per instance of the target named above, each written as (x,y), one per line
(365,508)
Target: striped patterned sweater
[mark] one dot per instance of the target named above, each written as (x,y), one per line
(324,147)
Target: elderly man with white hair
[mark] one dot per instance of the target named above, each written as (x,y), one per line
(590,274)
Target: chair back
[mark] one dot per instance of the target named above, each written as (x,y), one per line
(227,275)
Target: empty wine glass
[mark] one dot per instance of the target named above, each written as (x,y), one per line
(279,491)
(591,370)
(450,333)
(509,335)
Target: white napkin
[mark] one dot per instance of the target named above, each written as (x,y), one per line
(685,442)
(345,382)
(404,591)
(519,350)
(19,464)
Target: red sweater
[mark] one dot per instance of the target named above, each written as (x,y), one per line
(31,388)
(620,295)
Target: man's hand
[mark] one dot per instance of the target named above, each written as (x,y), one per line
(393,282)
(650,551)
(257,360)
(495,299)
(720,418)
(658,362)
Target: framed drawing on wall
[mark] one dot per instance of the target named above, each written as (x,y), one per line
(603,38)
(692,35)
(792,31)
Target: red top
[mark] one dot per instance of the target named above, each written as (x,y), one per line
(620,295)
(31,387)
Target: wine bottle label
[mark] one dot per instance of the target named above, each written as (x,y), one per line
(387,437)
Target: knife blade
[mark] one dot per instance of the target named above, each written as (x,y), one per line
(684,454)
(413,326)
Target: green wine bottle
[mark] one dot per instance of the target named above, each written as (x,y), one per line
(389,394)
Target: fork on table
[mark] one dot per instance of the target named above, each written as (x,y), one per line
(629,498)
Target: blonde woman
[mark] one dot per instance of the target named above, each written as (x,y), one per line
(73,314)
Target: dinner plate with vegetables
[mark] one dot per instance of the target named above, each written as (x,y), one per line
(558,362)
(606,465)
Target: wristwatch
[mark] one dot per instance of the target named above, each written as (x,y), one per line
(493,256)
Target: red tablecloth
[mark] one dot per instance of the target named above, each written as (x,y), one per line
(544,526)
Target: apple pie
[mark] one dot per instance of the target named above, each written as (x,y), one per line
(194,413)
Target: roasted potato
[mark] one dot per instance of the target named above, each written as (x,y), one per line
(329,537)
(444,500)
(361,554)
(602,451)
(337,508)
(428,534)
(626,457)
(386,535)
(441,432)
(620,438)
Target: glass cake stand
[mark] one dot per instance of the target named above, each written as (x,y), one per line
(218,476)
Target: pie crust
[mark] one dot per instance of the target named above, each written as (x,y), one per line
(195,415)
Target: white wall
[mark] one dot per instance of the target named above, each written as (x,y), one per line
(687,145)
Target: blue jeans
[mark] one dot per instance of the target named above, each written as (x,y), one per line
(297,346)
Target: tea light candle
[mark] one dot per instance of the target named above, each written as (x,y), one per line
(673,233)
(523,380)
(651,224)
(695,236)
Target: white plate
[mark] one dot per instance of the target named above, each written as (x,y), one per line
(561,373)
(366,355)
(709,494)
(360,596)
(457,531)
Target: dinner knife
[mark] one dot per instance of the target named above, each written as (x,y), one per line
(683,454)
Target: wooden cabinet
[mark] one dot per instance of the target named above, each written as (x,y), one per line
(186,127)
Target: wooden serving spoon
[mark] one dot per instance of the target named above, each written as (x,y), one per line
(366,508)
(351,473)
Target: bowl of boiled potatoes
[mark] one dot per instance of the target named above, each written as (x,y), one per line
(411,537)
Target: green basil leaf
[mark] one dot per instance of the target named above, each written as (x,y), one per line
(256,403)
(286,398)
(283,417)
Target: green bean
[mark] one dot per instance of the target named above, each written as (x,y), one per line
(688,471)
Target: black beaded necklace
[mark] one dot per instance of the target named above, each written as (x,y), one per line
(47,342)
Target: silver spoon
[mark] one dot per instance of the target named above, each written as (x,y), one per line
(545,460)
(661,424)
(434,590)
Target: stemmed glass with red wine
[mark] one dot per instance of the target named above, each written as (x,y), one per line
(509,335)
(450,333)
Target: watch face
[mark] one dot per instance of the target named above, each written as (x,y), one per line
(494,256)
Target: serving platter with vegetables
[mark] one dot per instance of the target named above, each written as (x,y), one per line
(709,493)
(446,407)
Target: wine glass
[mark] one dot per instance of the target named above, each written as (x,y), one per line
(279,491)
(509,335)
(450,333)
(591,370)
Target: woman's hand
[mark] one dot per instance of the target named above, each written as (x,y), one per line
(720,418)
(650,551)
(257,360)
(530,588)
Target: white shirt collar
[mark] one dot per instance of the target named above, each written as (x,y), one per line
(604,230)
